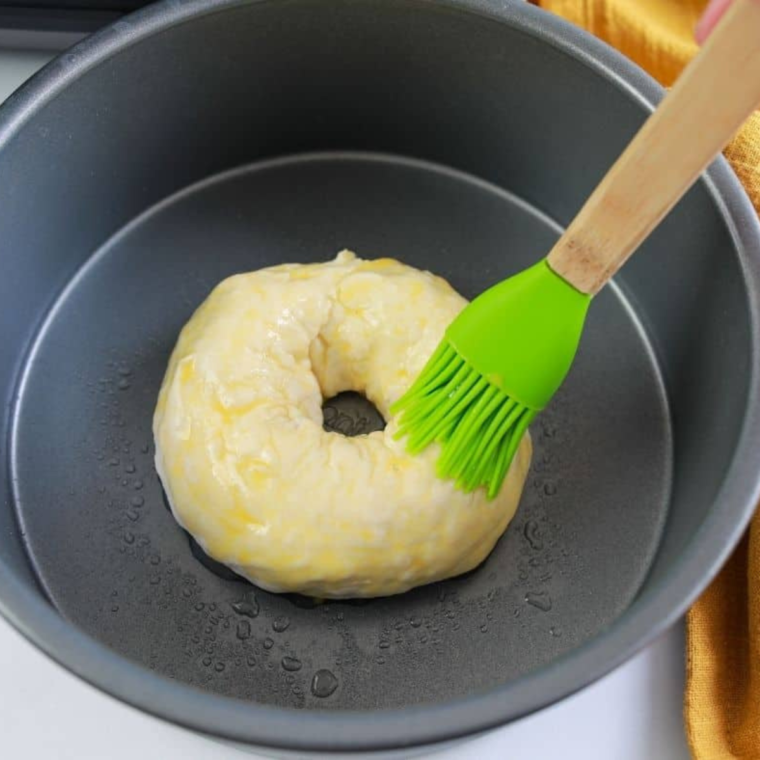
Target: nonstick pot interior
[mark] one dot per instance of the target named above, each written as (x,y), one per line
(196,140)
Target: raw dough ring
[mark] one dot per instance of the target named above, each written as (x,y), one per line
(248,468)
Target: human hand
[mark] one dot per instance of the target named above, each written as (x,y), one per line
(715,9)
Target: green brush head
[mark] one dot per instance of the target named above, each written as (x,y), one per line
(500,363)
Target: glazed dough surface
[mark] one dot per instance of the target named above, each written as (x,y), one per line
(248,468)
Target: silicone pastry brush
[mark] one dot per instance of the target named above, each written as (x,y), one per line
(505,355)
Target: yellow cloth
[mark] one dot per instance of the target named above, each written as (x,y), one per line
(722,700)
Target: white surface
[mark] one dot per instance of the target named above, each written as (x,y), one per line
(633,714)
(16,66)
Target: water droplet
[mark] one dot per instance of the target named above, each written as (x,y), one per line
(550,489)
(484,628)
(115,608)
(251,661)
(268,643)
(124,371)
(219,667)
(534,561)
(212,606)
(155,559)
(130,468)
(137,501)
(129,537)
(539,599)
(555,631)
(243,631)
(550,431)
(291,664)
(380,661)
(114,593)
(113,462)
(207,661)
(187,593)
(155,580)
(137,485)
(133,515)
(339,616)
(415,622)
(281,624)
(323,684)
(290,679)
(533,534)
(247,607)
(124,384)
(385,644)
(145,449)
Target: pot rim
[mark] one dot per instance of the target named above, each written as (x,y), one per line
(649,615)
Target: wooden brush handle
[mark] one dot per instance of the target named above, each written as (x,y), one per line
(718,90)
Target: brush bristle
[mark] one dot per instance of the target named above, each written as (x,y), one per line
(477,425)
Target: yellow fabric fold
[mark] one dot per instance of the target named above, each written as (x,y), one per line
(722,698)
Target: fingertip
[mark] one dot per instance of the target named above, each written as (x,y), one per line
(709,19)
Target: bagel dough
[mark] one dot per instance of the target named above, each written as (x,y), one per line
(249,470)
